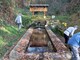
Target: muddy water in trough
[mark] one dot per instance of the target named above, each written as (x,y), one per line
(39,42)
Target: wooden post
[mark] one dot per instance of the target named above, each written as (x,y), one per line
(44,14)
(33,12)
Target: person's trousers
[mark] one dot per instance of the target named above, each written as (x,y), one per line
(19,26)
(75,53)
(66,38)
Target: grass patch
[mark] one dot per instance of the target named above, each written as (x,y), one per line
(9,35)
(39,17)
(62,18)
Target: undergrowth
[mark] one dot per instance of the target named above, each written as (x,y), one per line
(9,35)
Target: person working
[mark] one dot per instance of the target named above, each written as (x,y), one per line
(74,43)
(18,20)
(69,32)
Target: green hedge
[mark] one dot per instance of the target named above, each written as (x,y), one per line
(26,21)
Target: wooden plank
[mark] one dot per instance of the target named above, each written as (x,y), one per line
(38,9)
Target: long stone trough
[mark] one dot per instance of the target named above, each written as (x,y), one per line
(18,52)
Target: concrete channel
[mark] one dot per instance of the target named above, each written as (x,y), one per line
(39,43)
